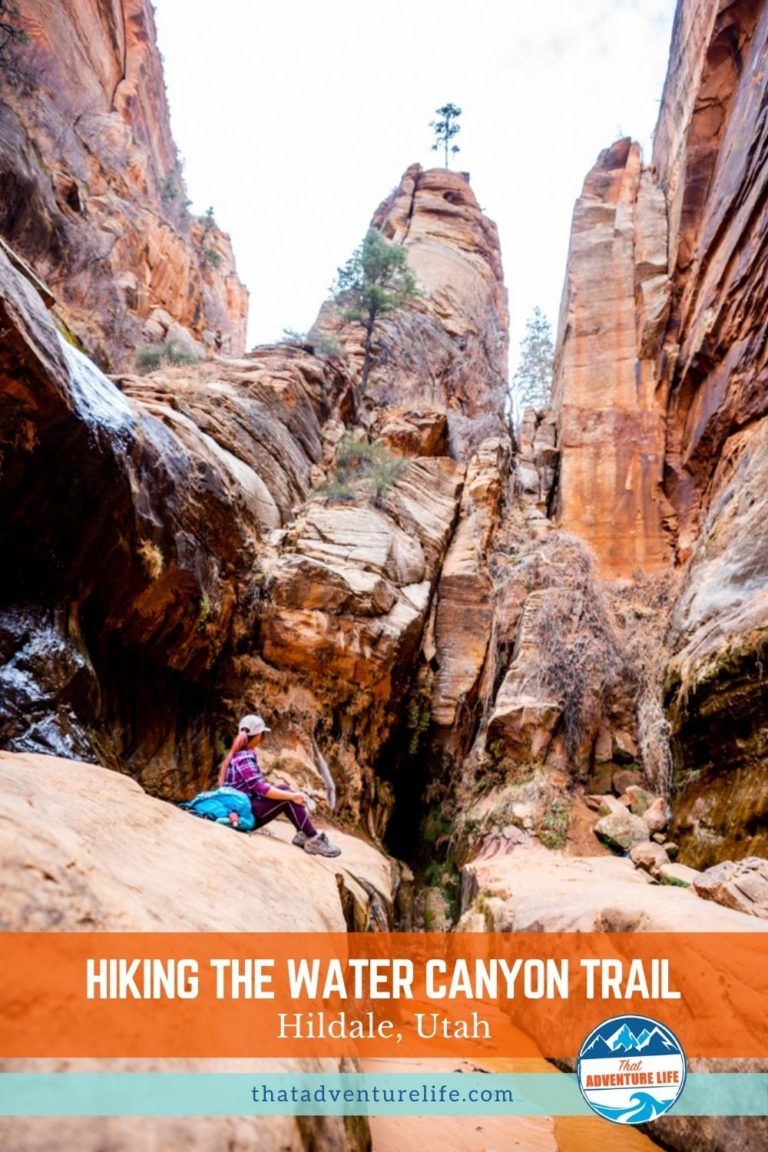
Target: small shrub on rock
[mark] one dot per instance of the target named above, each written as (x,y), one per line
(362,469)
(152,356)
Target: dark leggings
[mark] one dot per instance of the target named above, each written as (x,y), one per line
(265,809)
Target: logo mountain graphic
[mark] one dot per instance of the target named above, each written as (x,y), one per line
(617,1081)
(624,1042)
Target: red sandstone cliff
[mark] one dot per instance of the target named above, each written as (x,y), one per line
(92,189)
(662,400)
(221,574)
(450,653)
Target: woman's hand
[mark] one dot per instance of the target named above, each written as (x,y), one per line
(283,792)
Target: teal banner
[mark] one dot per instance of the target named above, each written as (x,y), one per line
(346,1094)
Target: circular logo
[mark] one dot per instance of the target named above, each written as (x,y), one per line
(631,1069)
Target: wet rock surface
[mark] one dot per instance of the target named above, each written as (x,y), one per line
(137,519)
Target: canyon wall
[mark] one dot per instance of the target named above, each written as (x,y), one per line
(93,193)
(715,365)
(223,573)
(662,401)
(433,633)
(611,425)
(468,631)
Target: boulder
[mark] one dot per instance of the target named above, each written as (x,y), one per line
(742,885)
(610,805)
(640,799)
(621,830)
(85,849)
(649,856)
(300,582)
(658,815)
(523,725)
(678,874)
(416,433)
(536,889)
(625,778)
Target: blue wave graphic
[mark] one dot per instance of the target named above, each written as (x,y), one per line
(641,1107)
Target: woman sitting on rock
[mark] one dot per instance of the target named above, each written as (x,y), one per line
(241,770)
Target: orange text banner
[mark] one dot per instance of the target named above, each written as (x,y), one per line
(404,995)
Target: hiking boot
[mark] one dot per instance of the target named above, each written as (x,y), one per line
(299,839)
(320,845)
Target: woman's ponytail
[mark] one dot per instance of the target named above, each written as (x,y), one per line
(240,741)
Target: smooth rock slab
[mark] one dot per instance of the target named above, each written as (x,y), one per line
(678,874)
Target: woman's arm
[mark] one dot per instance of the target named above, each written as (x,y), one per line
(285,794)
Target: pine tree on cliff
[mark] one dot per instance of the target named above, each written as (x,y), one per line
(532,380)
(445,129)
(375,280)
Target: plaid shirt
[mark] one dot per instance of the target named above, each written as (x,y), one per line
(245,774)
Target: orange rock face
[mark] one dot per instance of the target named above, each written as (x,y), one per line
(93,191)
(712,166)
(662,392)
(611,423)
(446,350)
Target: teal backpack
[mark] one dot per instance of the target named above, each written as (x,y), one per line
(218,805)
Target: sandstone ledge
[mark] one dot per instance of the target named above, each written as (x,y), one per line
(535,890)
(85,849)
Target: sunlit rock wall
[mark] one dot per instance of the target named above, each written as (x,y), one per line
(662,393)
(92,189)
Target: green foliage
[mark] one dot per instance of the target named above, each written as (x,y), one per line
(169,189)
(338,491)
(323,345)
(434,826)
(419,716)
(443,876)
(211,257)
(362,469)
(375,280)
(204,610)
(320,345)
(174,196)
(532,380)
(209,224)
(168,352)
(445,129)
(674,882)
(12,36)
(553,826)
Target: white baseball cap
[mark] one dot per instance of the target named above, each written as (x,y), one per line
(253,725)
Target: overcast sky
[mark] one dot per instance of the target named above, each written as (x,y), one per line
(295,118)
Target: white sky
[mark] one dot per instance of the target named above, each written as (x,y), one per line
(295,118)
